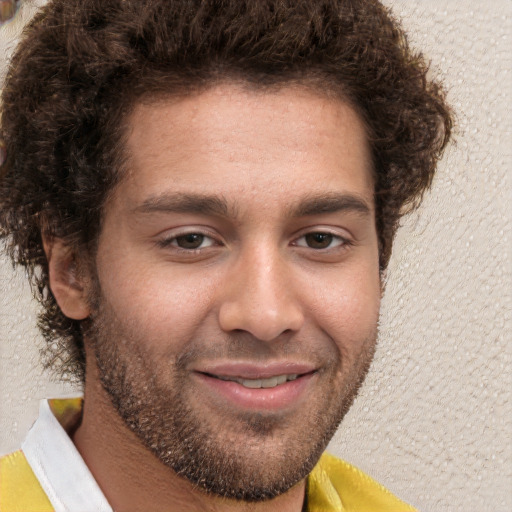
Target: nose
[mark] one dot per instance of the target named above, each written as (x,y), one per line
(259,297)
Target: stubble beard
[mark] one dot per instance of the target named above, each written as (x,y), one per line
(243,456)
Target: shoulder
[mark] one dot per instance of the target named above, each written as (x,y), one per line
(336,485)
(20,490)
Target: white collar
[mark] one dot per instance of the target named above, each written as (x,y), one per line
(59,467)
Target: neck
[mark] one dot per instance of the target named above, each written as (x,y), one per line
(132,478)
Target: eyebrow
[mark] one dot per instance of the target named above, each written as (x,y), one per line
(217,205)
(330,203)
(187,203)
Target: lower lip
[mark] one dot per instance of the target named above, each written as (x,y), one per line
(283,395)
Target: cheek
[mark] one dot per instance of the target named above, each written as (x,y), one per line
(348,309)
(157,305)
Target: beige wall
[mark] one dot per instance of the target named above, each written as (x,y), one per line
(433,422)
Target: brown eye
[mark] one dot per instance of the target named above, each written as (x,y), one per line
(319,240)
(190,241)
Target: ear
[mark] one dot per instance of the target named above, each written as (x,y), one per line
(66,282)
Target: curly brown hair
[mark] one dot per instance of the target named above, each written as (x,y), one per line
(82,65)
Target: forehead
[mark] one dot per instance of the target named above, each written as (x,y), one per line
(244,144)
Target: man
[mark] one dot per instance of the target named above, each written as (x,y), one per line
(205,196)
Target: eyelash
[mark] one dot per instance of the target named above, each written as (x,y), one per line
(165,243)
(343,242)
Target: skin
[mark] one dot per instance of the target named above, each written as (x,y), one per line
(261,289)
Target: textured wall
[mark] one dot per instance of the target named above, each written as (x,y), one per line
(433,422)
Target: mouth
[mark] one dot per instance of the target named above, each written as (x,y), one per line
(266,383)
(257,388)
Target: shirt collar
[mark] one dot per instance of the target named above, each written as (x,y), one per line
(56,462)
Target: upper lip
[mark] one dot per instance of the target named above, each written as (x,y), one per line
(243,370)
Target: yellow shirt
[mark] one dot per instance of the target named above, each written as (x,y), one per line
(333,485)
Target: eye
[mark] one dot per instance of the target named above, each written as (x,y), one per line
(320,240)
(189,241)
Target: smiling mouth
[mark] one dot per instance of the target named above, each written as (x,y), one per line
(270,382)
(254,388)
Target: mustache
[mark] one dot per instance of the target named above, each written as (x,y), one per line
(245,347)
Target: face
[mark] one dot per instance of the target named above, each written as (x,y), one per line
(237,285)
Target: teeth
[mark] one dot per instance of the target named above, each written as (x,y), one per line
(272,382)
(253,383)
(281,379)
